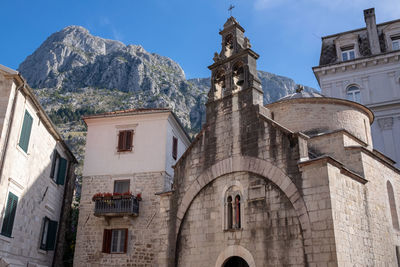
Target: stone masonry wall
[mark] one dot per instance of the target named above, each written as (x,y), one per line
(233,128)
(270,228)
(319,115)
(143,230)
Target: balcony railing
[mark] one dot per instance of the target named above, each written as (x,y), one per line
(116,207)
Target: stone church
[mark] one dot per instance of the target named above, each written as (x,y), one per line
(293,183)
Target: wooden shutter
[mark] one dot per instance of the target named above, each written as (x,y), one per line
(26,131)
(107,240)
(61,171)
(125,140)
(9,215)
(51,235)
(128,141)
(126,241)
(174,147)
(121,138)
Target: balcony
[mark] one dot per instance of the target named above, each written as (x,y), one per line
(116,206)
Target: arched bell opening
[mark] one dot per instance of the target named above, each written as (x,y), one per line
(238,76)
(228,45)
(219,84)
(235,261)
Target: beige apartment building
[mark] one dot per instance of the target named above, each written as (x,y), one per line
(36,178)
(363,65)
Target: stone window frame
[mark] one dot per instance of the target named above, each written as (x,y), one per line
(346,41)
(353,94)
(391,31)
(219,83)
(126,127)
(239,65)
(230,212)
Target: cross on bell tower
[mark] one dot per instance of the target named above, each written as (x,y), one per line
(235,67)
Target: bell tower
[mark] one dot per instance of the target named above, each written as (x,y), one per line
(235,68)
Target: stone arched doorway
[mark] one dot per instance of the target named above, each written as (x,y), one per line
(235,261)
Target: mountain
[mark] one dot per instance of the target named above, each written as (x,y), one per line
(75,73)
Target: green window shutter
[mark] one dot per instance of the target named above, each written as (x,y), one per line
(61,171)
(26,131)
(9,215)
(51,235)
(53,163)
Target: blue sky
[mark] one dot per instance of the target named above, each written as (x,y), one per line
(286,33)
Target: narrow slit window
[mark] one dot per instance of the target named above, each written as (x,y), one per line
(237,212)
(229,213)
(174,147)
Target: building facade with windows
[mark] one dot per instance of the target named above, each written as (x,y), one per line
(293,183)
(363,65)
(128,162)
(36,178)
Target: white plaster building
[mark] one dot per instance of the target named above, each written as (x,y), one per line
(363,65)
(128,153)
(36,178)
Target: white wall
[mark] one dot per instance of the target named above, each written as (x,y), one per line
(27,175)
(174,131)
(149,145)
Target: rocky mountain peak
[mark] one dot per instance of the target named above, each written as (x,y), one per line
(73,58)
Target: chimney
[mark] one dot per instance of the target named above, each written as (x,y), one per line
(370,21)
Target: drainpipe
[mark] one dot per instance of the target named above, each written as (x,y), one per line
(10,123)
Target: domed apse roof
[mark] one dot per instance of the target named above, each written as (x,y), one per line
(300,93)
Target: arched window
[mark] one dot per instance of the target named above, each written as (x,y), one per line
(228,44)
(392,205)
(229,213)
(219,82)
(233,208)
(237,212)
(353,94)
(238,75)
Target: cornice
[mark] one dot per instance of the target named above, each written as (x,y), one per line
(363,62)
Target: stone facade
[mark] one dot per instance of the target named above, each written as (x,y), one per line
(374,71)
(26,174)
(147,167)
(294,183)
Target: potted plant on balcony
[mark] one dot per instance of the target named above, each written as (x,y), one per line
(127,195)
(107,196)
(116,195)
(97,196)
(139,196)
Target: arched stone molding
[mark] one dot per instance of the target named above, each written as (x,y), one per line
(253,165)
(235,250)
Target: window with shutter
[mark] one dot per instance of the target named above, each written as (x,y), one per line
(62,171)
(49,234)
(9,215)
(125,140)
(58,168)
(55,164)
(25,131)
(174,147)
(115,240)
(107,241)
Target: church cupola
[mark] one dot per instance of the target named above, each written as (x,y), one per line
(234,69)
